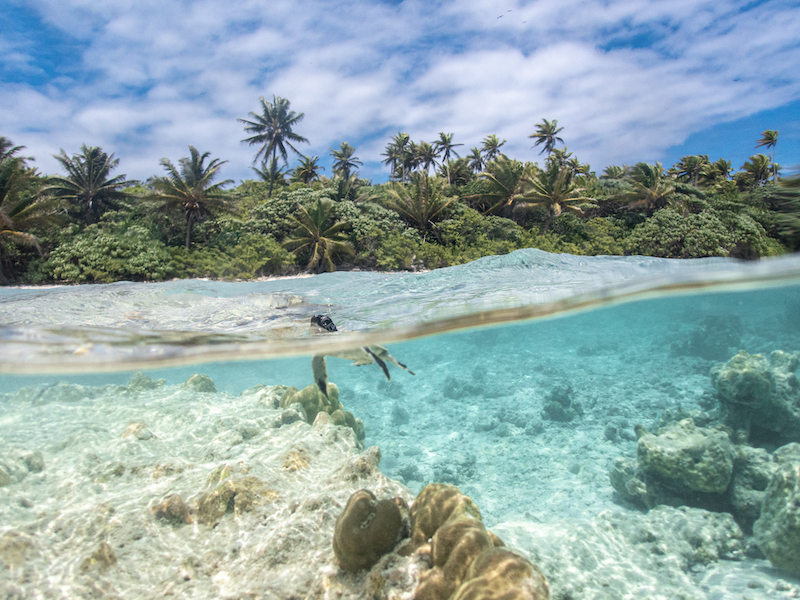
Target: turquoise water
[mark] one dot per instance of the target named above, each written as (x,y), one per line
(477,413)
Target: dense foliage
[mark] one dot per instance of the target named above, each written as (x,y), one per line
(92,225)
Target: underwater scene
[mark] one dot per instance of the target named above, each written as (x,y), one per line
(525,426)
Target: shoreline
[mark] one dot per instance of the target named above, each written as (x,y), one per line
(263,278)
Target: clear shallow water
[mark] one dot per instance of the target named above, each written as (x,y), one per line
(472,415)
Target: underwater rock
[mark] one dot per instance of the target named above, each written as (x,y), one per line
(366,530)
(752,471)
(59,392)
(233,495)
(760,394)
(687,457)
(16,549)
(560,405)
(101,559)
(200,383)
(172,510)
(136,431)
(712,339)
(296,460)
(696,535)
(140,382)
(400,416)
(13,468)
(626,482)
(777,530)
(34,461)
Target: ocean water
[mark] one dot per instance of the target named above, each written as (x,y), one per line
(89,449)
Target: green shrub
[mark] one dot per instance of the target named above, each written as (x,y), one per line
(254,256)
(708,233)
(103,255)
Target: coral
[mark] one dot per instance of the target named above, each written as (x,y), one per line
(467,561)
(560,406)
(310,401)
(688,457)
(500,574)
(777,530)
(172,510)
(140,382)
(136,431)
(200,383)
(102,558)
(434,506)
(237,495)
(366,530)
(760,394)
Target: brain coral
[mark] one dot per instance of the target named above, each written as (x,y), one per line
(467,561)
(366,530)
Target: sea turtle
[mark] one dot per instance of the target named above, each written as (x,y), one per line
(365,355)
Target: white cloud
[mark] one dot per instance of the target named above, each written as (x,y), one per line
(161,75)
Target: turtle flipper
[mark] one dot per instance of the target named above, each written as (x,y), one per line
(320,373)
(383,353)
(378,360)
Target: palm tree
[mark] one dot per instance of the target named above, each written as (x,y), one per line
(20,208)
(547,134)
(8,150)
(491,146)
(757,169)
(445,145)
(689,168)
(560,156)
(421,203)
(308,170)
(273,174)
(316,232)
(273,129)
(344,160)
(426,155)
(787,207)
(190,189)
(505,178)
(554,190)
(344,188)
(651,186)
(88,187)
(475,158)
(615,172)
(457,172)
(769,139)
(716,173)
(395,154)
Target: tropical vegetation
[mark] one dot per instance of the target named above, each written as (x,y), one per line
(88,223)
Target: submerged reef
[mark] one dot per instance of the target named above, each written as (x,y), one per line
(761,396)
(310,401)
(453,555)
(777,530)
(720,467)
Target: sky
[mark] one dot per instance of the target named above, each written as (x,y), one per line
(629,81)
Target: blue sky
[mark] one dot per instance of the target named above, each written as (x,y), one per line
(629,81)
